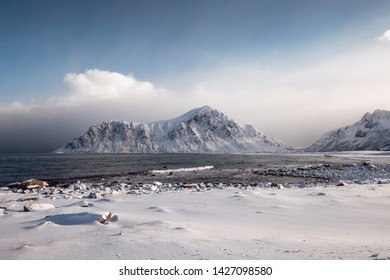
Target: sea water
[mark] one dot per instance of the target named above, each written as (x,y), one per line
(66,167)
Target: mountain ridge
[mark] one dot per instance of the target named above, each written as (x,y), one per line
(371,132)
(200,130)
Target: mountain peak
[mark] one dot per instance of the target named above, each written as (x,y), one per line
(372,132)
(201,130)
(377,114)
(199,111)
(204,109)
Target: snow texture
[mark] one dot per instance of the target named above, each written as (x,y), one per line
(372,132)
(201,130)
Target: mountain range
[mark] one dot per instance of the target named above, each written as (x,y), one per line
(206,130)
(201,130)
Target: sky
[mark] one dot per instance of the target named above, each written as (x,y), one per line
(294,69)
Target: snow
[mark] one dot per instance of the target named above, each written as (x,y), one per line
(38,207)
(322,222)
(372,132)
(201,130)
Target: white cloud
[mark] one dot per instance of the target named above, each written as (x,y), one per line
(103,86)
(385,36)
(91,97)
(300,102)
(98,83)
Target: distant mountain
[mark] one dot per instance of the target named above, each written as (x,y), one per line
(372,132)
(201,130)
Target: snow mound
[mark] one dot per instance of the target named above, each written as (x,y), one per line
(38,207)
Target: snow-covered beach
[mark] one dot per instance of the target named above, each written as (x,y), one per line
(280,220)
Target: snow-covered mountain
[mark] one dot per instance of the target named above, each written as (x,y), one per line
(201,130)
(372,132)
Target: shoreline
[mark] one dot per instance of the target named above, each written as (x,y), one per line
(208,177)
(94,167)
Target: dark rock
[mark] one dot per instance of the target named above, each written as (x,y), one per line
(30,184)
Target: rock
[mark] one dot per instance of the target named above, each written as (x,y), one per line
(94,195)
(108,217)
(134,192)
(114,192)
(84,204)
(191,186)
(341,183)
(31,184)
(78,186)
(31,207)
(31,198)
(3,210)
(321,194)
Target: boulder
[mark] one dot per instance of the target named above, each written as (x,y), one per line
(30,184)
(31,207)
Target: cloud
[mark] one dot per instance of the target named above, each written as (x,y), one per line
(300,101)
(104,84)
(97,86)
(385,36)
(91,97)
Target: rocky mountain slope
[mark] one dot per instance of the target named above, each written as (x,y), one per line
(201,130)
(372,132)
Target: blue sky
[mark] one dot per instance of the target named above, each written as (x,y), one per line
(294,69)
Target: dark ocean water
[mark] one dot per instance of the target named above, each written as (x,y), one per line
(70,167)
(65,167)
